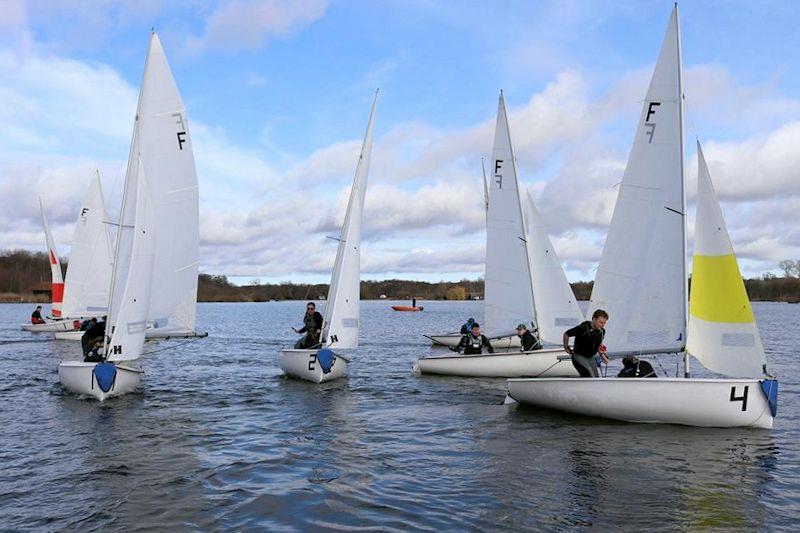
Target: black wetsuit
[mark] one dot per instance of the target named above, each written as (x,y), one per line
(312,329)
(471,345)
(587,343)
(529,342)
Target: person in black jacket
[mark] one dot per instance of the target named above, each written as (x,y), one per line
(528,340)
(36,316)
(588,342)
(474,343)
(312,328)
(90,340)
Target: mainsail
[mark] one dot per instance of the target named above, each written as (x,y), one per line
(155,245)
(509,296)
(90,259)
(57,283)
(722,329)
(556,306)
(641,280)
(342,309)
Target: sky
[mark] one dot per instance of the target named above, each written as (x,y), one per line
(278,96)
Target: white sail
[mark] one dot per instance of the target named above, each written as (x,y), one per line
(128,326)
(342,308)
(57,283)
(722,329)
(89,270)
(509,296)
(165,147)
(556,306)
(641,280)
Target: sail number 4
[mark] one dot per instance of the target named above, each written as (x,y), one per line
(742,398)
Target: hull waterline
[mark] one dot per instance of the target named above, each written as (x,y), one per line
(688,402)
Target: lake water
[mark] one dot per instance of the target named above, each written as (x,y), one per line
(215,437)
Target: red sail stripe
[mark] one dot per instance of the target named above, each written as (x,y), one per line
(52,258)
(58,293)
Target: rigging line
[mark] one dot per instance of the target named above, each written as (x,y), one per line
(173,347)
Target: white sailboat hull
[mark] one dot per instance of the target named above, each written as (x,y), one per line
(58,325)
(688,402)
(79,377)
(499,365)
(303,364)
(452,339)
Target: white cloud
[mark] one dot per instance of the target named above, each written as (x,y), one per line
(249,24)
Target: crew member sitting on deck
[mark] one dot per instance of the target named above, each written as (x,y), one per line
(36,316)
(312,328)
(528,340)
(92,341)
(86,324)
(474,342)
(588,342)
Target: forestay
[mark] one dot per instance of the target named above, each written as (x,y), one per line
(641,279)
(556,307)
(57,283)
(342,309)
(90,259)
(722,329)
(509,296)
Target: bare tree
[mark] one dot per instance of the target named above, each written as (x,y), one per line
(788,267)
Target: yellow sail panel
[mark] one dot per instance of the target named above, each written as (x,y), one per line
(718,293)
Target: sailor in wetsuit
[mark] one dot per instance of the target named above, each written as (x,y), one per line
(588,342)
(36,316)
(92,340)
(312,328)
(473,343)
(527,340)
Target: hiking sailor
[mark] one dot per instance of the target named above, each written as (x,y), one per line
(528,340)
(474,343)
(312,328)
(588,342)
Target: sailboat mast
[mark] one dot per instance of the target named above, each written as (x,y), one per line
(485,189)
(686,369)
(118,239)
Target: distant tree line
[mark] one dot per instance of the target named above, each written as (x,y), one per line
(22,271)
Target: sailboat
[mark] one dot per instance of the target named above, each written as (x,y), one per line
(89,271)
(160,185)
(56,322)
(642,283)
(341,320)
(514,267)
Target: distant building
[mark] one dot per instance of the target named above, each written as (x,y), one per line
(43,290)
